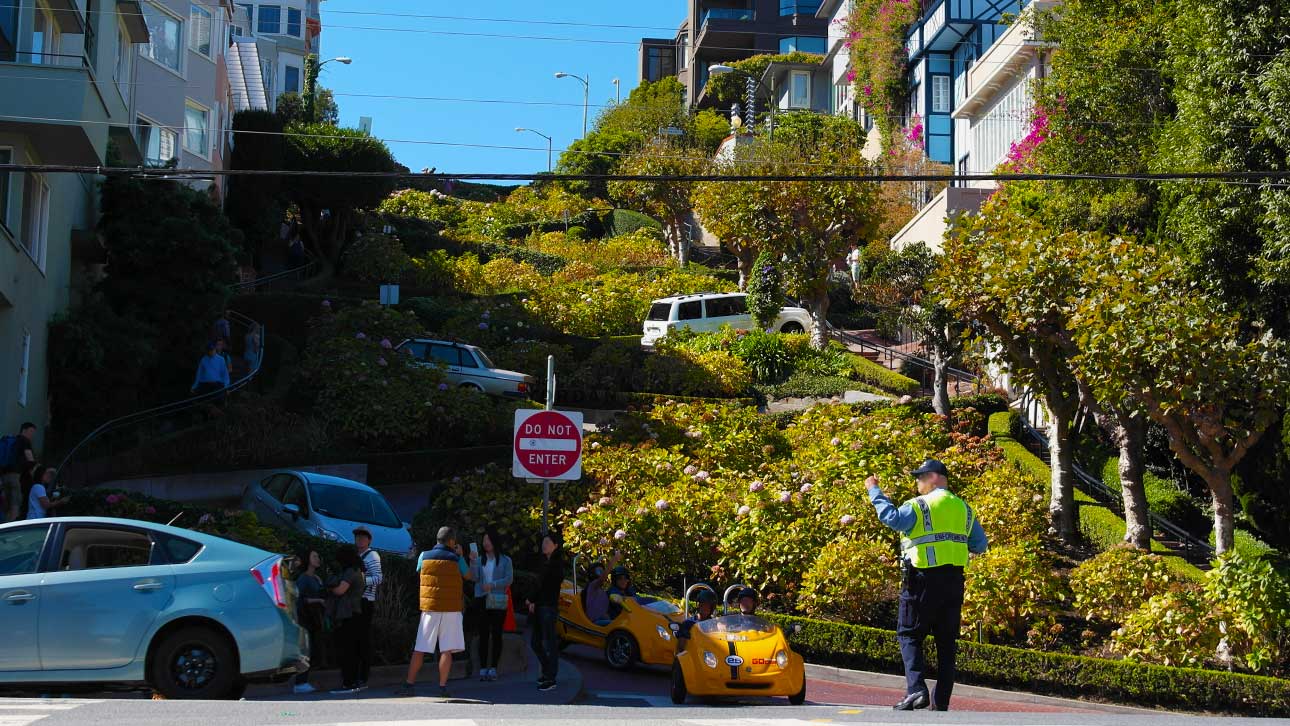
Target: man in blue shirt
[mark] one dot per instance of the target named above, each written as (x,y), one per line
(939,531)
(212,372)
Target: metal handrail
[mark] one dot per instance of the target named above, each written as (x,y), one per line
(918,361)
(1111,498)
(297,272)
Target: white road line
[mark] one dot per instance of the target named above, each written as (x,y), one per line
(654,701)
(423,722)
(20,720)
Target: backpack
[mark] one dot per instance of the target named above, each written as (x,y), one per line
(9,452)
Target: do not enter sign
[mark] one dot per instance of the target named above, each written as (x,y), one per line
(548,445)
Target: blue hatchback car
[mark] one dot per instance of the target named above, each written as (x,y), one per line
(118,602)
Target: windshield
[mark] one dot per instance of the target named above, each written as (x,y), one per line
(736,624)
(488,362)
(354,505)
(660,311)
(659,606)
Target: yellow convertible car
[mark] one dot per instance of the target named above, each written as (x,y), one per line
(737,655)
(641,633)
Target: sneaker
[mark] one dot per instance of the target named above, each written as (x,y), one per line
(303,688)
(443,692)
(406,690)
(492,674)
(362,686)
(344,691)
(546,686)
(483,674)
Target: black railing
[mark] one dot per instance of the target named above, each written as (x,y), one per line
(272,281)
(40,58)
(893,359)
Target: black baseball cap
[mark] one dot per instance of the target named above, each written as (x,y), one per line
(930,466)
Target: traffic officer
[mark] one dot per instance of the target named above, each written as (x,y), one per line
(938,531)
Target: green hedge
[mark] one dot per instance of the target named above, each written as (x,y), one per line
(545,264)
(1102,527)
(626,221)
(589,220)
(883,377)
(623,399)
(1056,674)
(811,385)
(1163,498)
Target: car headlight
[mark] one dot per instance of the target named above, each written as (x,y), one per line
(663,632)
(781,659)
(709,659)
(328,534)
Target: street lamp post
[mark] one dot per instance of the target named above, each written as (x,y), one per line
(521,129)
(618,86)
(750,91)
(312,69)
(586,94)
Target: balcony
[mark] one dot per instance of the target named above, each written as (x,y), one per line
(726,27)
(743,14)
(61,139)
(947,22)
(1001,65)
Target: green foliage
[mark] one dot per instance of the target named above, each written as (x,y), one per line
(1172,628)
(612,304)
(290,108)
(597,153)
(813,385)
(1010,506)
(668,201)
(709,129)
(732,87)
(714,374)
(876,30)
(1011,589)
(850,580)
(376,258)
(430,206)
(765,291)
(239,526)
(627,221)
(98,362)
(639,249)
(1163,497)
(1252,602)
(1113,584)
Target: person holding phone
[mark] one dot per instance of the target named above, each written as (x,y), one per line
(493,574)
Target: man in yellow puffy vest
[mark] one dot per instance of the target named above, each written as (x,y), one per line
(938,531)
(443,598)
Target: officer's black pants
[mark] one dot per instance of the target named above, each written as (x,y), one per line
(931,603)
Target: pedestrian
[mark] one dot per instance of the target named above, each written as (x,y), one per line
(325,308)
(16,457)
(212,372)
(372,571)
(311,604)
(221,347)
(222,329)
(853,262)
(443,597)
(544,610)
(343,608)
(938,532)
(493,574)
(41,501)
(252,347)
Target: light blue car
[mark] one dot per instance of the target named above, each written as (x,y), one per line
(328,507)
(117,602)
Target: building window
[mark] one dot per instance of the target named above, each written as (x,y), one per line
(197,129)
(124,63)
(683,51)
(942,100)
(6,157)
(660,62)
(799,90)
(799,7)
(165,33)
(293,22)
(91,40)
(35,217)
(45,39)
(803,44)
(290,79)
(199,40)
(158,143)
(270,20)
(9,32)
(267,73)
(24,367)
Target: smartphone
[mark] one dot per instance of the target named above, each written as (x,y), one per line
(474,548)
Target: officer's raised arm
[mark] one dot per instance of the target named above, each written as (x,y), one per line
(901,519)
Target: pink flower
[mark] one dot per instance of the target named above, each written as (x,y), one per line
(785,497)
(385,343)
(662,545)
(744,510)
(595,445)
(113,499)
(690,470)
(702,476)
(361,336)
(443,386)
(835,441)
(806,488)
(582,510)
(604,540)
(620,534)
(577,524)
(641,511)
(848,520)
(381,361)
(661,505)
(756,486)
(606,501)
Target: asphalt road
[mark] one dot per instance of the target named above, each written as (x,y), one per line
(422,712)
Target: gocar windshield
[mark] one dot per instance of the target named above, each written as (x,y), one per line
(354,505)
(736,624)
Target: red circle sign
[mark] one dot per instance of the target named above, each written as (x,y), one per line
(548,444)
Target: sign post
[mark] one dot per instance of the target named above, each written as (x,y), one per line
(547,445)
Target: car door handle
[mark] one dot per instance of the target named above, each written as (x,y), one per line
(19,596)
(148,585)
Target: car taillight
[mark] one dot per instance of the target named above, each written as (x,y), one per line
(269,575)
(522,387)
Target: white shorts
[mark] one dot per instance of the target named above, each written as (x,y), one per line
(441,631)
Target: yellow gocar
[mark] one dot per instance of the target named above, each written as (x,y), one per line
(641,633)
(737,655)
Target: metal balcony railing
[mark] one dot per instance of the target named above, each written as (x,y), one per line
(744,14)
(37,58)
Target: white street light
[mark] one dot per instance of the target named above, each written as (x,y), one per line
(586,94)
(619,87)
(521,129)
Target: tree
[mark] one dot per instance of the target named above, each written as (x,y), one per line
(765,292)
(668,201)
(290,108)
(808,224)
(599,152)
(1149,337)
(326,109)
(254,203)
(328,204)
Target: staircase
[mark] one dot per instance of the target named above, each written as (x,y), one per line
(899,357)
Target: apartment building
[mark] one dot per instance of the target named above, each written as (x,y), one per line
(719,31)
(183,100)
(66,69)
(282,35)
(842,100)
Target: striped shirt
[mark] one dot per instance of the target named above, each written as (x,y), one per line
(372,570)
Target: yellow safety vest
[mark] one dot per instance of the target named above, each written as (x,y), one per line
(940,534)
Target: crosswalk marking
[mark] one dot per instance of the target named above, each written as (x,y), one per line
(422,722)
(27,711)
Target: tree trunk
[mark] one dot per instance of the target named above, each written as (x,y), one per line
(1129,436)
(940,384)
(1220,489)
(818,307)
(1061,506)
(744,263)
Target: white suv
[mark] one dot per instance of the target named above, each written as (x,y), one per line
(708,311)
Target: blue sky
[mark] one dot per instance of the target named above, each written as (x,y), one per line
(493,68)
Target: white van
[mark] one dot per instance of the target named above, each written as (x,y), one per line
(706,312)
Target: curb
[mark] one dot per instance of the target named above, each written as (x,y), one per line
(882,680)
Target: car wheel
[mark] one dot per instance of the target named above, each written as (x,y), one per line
(620,650)
(792,328)
(195,663)
(799,698)
(679,693)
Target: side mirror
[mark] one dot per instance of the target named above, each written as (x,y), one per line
(292,509)
(676,627)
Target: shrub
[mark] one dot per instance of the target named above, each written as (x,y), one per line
(434,271)
(1111,585)
(611,304)
(1010,506)
(849,580)
(1251,602)
(642,248)
(765,291)
(376,258)
(1011,588)
(1172,628)
(712,374)
(808,385)
(430,206)
(543,263)
(626,221)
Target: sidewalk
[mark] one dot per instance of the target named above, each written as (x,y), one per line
(512,689)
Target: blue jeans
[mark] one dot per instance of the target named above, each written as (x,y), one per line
(546,645)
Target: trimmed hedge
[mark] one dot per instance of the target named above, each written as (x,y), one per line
(1102,527)
(545,264)
(1056,674)
(589,220)
(626,221)
(883,377)
(623,399)
(1163,498)
(810,385)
